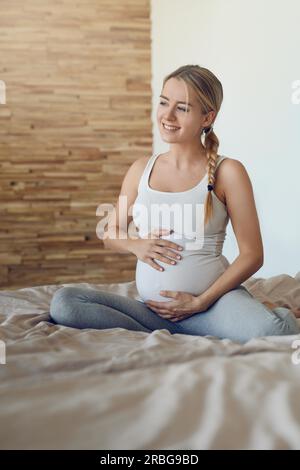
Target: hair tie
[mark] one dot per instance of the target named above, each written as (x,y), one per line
(210,187)
(208,130)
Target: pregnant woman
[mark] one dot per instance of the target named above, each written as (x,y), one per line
(181,203)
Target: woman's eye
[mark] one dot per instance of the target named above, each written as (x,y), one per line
(181,109)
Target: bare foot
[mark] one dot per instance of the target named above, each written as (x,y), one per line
(296,312)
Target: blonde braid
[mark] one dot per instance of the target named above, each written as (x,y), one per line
(211,144)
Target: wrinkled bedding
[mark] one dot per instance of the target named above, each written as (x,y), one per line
(63,388)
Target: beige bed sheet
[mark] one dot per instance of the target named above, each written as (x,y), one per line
(63,388)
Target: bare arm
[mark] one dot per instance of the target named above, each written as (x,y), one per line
(117,237)
(242,212)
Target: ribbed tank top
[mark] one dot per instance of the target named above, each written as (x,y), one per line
(202,260)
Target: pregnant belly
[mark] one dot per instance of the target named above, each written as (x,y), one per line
(194,273)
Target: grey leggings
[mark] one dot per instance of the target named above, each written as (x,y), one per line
(236,315)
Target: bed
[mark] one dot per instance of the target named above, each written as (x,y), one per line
(64,388)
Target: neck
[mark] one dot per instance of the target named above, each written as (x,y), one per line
(185,158)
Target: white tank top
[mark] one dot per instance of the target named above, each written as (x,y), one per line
(202,260)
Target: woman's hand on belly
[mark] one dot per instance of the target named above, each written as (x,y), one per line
(183,306)
(155,247)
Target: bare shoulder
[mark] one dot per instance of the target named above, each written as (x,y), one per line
(137,168)
(141,162)
(133,175)
(231,170)
(232,180)
(128,190)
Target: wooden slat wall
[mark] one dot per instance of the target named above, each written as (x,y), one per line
(77,114)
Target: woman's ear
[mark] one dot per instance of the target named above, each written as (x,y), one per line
(210,119)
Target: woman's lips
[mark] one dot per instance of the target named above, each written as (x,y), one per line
(170,130)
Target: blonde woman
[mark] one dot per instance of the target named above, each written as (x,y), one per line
(185,283)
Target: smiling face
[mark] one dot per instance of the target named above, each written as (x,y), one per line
(179,107)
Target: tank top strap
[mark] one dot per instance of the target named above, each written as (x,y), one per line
(143,183)
(220,159)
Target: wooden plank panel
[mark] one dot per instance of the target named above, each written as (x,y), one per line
(77,114)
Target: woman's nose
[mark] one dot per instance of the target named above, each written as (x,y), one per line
(169,114)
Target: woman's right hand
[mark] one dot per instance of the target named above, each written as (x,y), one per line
(148,249)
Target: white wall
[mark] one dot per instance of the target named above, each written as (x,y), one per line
(253,47)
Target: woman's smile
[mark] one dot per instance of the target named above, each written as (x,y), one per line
(170,128)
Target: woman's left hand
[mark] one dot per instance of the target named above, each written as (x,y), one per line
(183,306)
